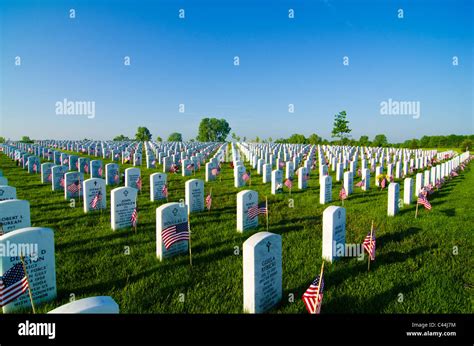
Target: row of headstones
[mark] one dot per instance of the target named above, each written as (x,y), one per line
(265,169)
(338,164)
(130,153)
(428,177)
(341,154)
(112,176)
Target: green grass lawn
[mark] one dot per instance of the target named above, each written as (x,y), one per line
(415,269)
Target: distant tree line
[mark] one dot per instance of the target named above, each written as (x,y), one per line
(450,141)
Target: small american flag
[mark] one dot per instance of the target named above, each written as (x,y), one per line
(246,176)
(174,234)
(369,245)
(100,171)
(423,201)
(134,218)
(208,201)
(454,174)
(429,188)
(50,177)
(231,164)
(383,183)
(74,187)
(86,168)
(190,166)
(214,171)
(262,209)
(313,296)
(95,201)
(281,164)
(360,183)
(139,183)
(116,178)
(289,183)
(173,168)
(35,167)
(342,193)
(252,212)
(13,284)
(164,191)
(61,182)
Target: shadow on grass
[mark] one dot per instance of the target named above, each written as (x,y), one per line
(96,289)
(359,302)
(360,267)
(396,236)
(449,212)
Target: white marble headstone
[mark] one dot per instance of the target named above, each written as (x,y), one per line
(14,214)
(131,177)
(393,197)
(334,232)
(194,195)
(262,267)
(94,189)
(38,243)
(112,174)
(277,181)
(245,200)
(90,305)
(167,215)
(123,201)
(7,192)
(325,189)
(157,182)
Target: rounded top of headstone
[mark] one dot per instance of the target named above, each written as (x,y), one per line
(171,205)
(10,201)
(40,231)
(194,181)
(333,209)
(258,237)
(244,192)
(123,189)
(99,305)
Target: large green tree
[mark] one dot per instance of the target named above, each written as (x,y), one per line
(380,141)
(314,139)
(121,138)
(466,145)
(175,137)
(341,128)
(297,138)
(2,139)
(143,134)
(364,141)
(159,139)
(213,130)
(26,139)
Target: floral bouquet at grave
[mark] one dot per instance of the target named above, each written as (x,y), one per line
(382,180)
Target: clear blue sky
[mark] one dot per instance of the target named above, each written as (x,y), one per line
(190,61)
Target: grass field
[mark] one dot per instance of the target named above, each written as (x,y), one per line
(415,269)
